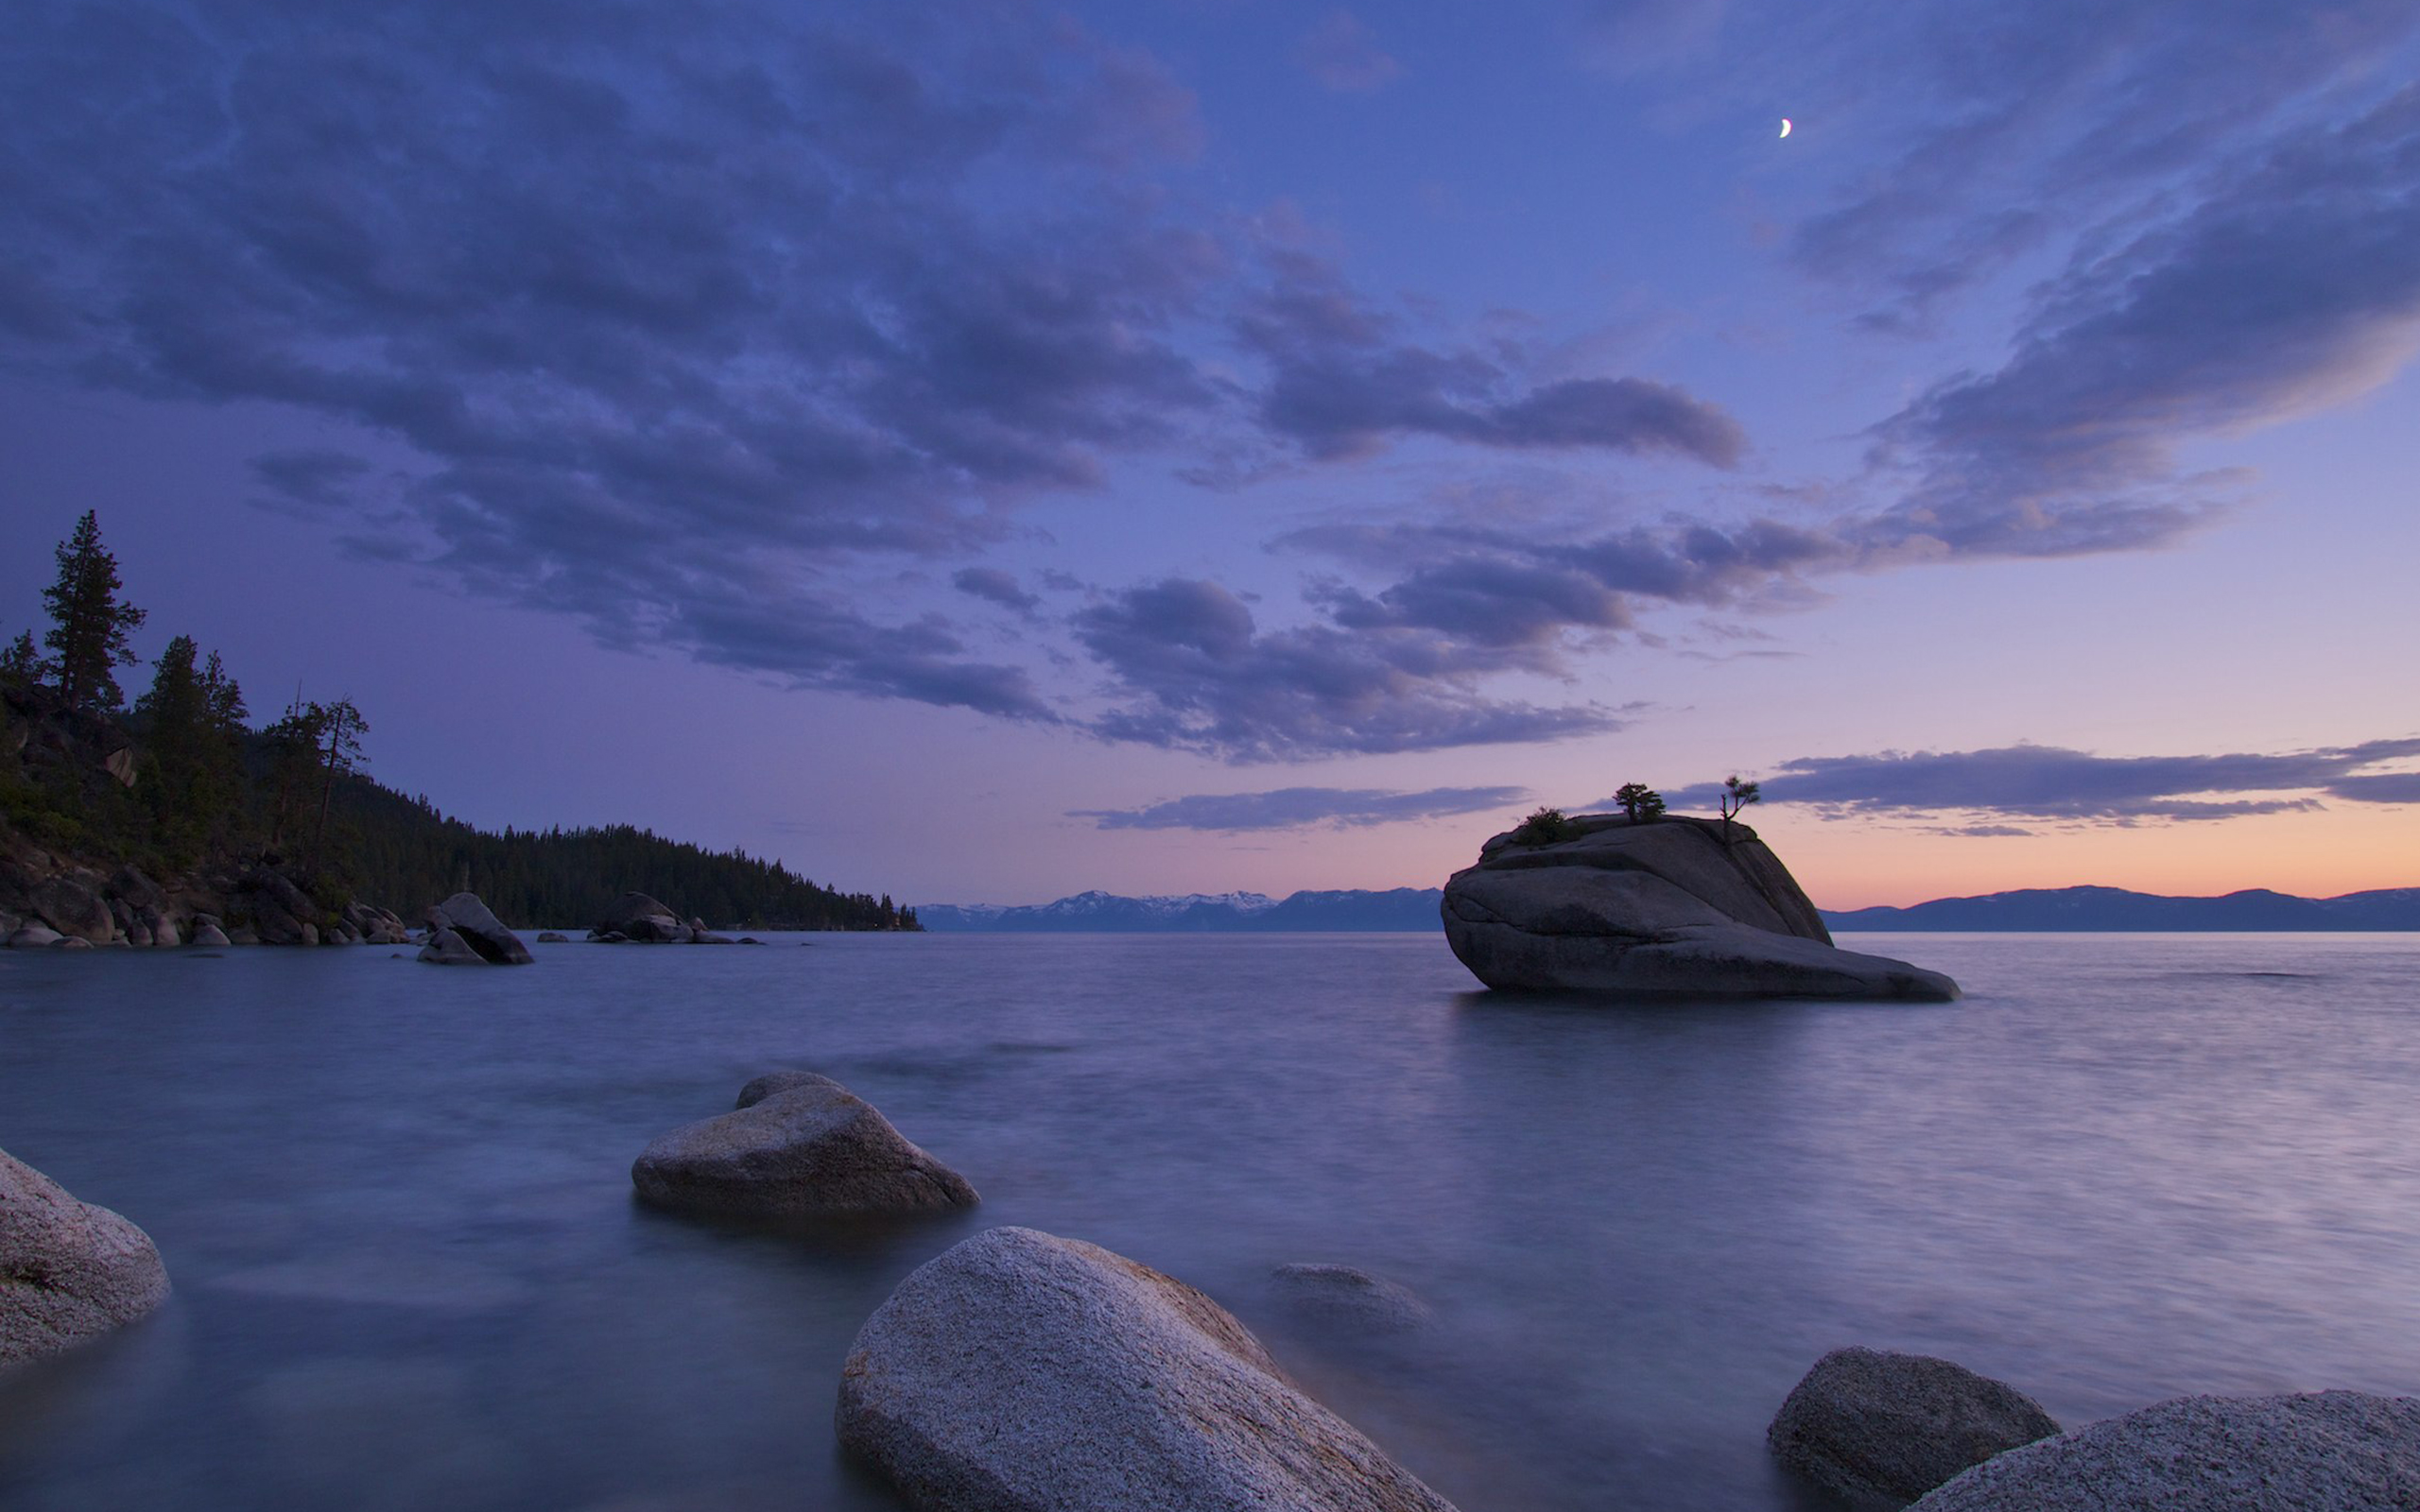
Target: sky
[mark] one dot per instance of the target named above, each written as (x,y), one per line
(979,451)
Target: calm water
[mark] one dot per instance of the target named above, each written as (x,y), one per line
(395,1200)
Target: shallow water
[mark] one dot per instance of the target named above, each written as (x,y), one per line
(396,1206)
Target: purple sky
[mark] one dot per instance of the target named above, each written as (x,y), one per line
(982,451)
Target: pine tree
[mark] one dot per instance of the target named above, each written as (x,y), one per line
(89,626)
(22,666)
(175,723)
(341,728)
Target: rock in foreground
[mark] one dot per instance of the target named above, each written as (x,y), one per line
(1672,907)
(69,1271)
(1021,1372)
(2341,1451)
(1877,1426)
(813,1150)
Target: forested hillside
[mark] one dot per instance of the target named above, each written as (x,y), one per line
(184,788)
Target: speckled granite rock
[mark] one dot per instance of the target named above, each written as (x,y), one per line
(1879,1426)
(813,1149)
(1021,1372)
(69,1271)
(2326,1451)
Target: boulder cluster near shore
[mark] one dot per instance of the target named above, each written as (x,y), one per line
(52,905)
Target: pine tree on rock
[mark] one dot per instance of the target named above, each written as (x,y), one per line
(89,626)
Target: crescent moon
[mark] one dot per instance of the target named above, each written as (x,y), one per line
(1784,125)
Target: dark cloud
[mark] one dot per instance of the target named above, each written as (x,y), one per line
(309,482)
(1343,55)
(1295,808)
(2047,782)
(1195,672)
(1502,600)
(1344,380)
(996,586)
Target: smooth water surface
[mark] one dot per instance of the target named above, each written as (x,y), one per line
(395,1200)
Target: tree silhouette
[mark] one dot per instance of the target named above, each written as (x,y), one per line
(89,626)
(1640,801)
(21,667)
(1735,795)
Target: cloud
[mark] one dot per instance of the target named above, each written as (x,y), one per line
(1343,55)
(309,482)
(2009,128)
(998,587)
(1294,808)
(635,307)
(1343,380)
(2052,782)
(653,303)
(1195,672)
(2287,287)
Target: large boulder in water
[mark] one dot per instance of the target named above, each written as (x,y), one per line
(2341,1450)
(634,916)
(811,1149)
(480,931)
(1877,1426)
(1020,1372)
(68,1270)
(1672,906)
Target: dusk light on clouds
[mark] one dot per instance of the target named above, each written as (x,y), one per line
(983,452)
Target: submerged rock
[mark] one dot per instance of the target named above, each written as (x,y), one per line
(1020,1372)
(2341,1451)
(69,1271)
(1873,1425)
(813,1149)
(1348,1295)
(1676,907)
(479,931)
(549,937)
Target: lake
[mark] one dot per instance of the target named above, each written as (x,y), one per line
(395,1200)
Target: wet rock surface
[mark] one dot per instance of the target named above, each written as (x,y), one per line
(1020,1372)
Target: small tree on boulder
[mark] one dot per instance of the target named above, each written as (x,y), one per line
(1545,827)
(1640,801)
(1735,795)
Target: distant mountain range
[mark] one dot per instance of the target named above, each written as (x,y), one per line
(2051,909)
(1402,909)
(1414,910)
